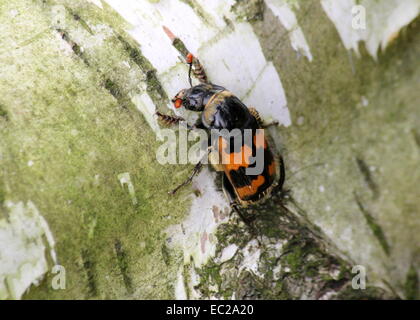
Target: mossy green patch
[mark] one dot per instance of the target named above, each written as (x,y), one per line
(65,148)
(113,89)
(292,259)
(2,193)
(411,286)
(3,112)
(345,108)
(180,46)
(251,11)
(369,293)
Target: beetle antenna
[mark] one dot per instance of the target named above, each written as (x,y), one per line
(190,59)
(189,73)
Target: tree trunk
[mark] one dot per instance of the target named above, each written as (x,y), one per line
(84,208)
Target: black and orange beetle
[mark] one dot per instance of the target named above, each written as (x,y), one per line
(220,109)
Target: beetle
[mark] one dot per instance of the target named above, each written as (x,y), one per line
(221,109)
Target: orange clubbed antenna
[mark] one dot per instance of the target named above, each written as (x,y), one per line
(190,58)
(178,103)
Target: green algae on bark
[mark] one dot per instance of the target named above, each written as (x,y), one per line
(353,134)
(66,122)
(70,128)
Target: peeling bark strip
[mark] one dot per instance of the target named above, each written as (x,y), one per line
(26,239)
(380,23)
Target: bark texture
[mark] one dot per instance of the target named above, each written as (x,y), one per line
(80,186)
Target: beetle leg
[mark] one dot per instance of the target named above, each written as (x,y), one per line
(197,68)
(169,120)
(228,191)
(195,171)
(233,201)
(255,114)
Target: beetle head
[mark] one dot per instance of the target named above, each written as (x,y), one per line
(192,99)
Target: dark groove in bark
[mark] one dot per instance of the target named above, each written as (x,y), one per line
(364,170)
(123,265)
(90,269)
